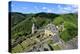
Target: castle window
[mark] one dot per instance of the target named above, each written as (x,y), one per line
(50,35)
(38,36)
(45,49)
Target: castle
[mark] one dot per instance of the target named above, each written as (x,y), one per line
(48,32)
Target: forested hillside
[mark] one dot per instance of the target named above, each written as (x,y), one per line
(21,23)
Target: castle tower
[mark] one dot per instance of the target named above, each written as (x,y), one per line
(61,27)
(33,28)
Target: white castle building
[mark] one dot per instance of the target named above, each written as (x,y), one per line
(33,28)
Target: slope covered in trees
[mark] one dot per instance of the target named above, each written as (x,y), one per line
(22,23)
(70,25)
(17,17)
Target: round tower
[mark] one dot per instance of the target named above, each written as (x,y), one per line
(33,28)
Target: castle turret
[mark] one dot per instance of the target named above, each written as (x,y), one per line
(33,28)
